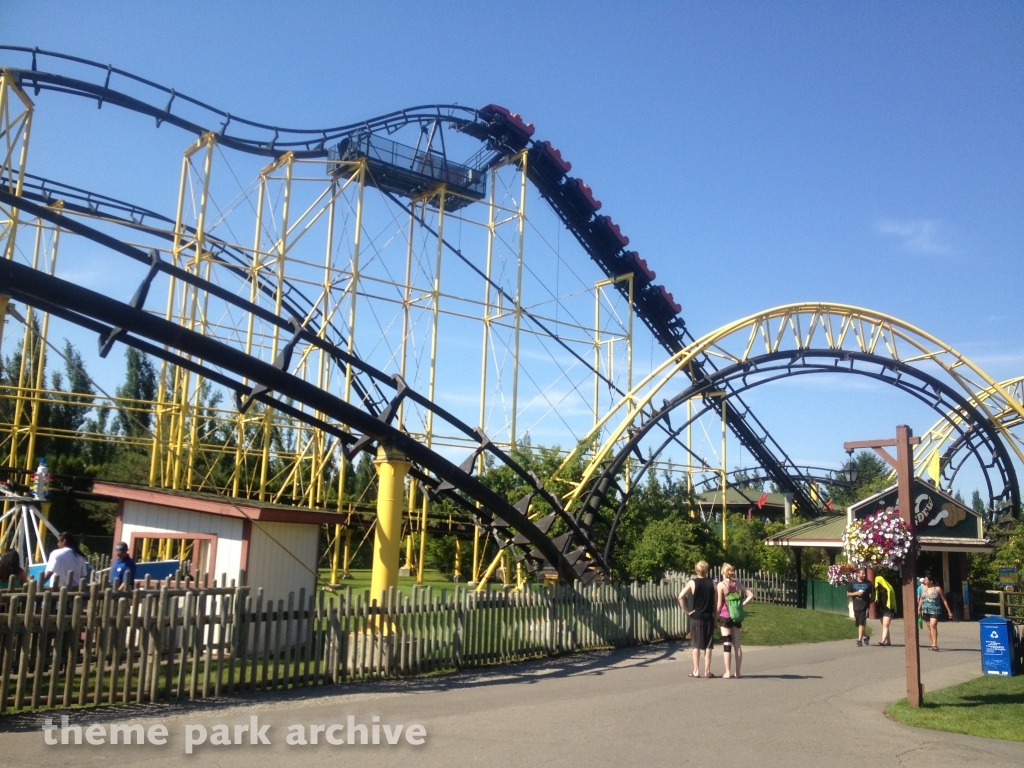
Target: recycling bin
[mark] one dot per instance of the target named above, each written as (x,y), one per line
(998,646)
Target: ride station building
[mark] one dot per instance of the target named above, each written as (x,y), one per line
(946,529)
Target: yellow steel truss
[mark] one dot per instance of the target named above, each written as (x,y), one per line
(198,443)
(796,327)
(943,431)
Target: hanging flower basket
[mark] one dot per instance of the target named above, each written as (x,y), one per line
(840,574)
(881,540)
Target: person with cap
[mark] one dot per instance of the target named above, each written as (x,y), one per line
(122,570)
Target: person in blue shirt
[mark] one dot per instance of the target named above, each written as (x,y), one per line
(122,570)
(863,595)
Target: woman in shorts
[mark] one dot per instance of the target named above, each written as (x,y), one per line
(731,629)
(928,607)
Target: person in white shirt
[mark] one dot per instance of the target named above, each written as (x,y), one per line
(67,558)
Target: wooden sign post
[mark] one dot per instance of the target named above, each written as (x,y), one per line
(904,466)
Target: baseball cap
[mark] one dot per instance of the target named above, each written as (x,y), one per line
(121,547)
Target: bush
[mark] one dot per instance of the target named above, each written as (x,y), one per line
(441,555)
(671,544)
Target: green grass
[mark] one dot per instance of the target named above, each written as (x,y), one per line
(360,581)
(986,706)
(781,625)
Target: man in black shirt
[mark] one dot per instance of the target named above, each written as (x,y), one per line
(702,616)
(863,595)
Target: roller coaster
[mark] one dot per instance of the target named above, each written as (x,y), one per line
(325,327)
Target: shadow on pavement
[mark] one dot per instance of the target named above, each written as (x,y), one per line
(781,677)
(527,672)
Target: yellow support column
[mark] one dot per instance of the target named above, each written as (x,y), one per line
(410,565)
(474,577)
(347,557)
(391,470)
(4,302)
(336,552)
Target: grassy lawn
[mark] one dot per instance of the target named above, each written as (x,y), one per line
(360,581)
(781,625)
(986,706)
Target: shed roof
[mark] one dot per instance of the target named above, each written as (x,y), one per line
(214,505)
(827,531)
(824,531)
(735,497)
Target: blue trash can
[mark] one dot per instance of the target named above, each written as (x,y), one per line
(998,652)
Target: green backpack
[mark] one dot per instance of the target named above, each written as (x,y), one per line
(734,602)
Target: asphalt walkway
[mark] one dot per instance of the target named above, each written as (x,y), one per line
(803,705)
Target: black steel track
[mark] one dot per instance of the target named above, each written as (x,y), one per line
(379,380)
(986,444)
(756,474)
(500,133)
(150,333)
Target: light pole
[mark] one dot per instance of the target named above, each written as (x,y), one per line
(904,466)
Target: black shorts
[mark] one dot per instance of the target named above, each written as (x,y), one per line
(726,623)
(888,613)
(860,616)
(702,633)
(929,616)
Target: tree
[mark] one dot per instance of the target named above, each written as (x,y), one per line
(746,545)
(978,504)
(872,477)
(779,560)
(360,484)
(135,419)
(659,532)
(68,412)
(1009,551)
(743,480)
(669,544)
(441,555)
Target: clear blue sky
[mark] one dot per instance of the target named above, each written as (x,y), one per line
(756,154)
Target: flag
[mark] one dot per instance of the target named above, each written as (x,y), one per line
(829,505)
(762,500)
(935,467)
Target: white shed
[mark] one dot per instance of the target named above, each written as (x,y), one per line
(261,545)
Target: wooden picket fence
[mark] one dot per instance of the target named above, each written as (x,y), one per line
(767,587)
(92,645)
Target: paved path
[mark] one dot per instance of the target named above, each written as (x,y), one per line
(805,705)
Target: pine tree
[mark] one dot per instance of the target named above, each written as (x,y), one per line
(70,412)
(139,385)
(978,504)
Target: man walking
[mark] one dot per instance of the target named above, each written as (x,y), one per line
(122,570)
(702,617)
(863,595)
